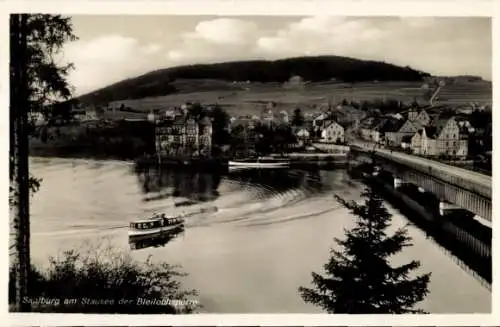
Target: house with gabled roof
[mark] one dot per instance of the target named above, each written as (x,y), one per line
(333,132)
(442,138)
(371,129)
(423,142)
(318,120)
(395,129)
(302,133)
(447,135)
(420,116)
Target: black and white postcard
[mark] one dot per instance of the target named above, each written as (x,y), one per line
(170,163)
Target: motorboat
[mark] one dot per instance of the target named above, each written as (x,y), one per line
(260,162)
(159,225)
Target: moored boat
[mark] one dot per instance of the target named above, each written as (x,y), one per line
(156,226)
(260,162)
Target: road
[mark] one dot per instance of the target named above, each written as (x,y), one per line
(473,177)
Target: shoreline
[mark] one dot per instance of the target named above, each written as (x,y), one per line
(298,160)
(78,157)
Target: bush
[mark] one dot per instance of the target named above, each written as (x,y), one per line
(105,280)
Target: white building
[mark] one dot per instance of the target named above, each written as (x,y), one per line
(333,132)
(152,117)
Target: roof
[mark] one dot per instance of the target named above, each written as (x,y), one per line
(300,130)
(242,121)
(440,123)
(331,122)
(417,123)
(205,121)
(392,125)
(346,107)
(417,110)
(461,116)
(179,120)
(372,123)
(320,116)
(123,115)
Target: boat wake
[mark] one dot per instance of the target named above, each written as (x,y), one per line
(294,217)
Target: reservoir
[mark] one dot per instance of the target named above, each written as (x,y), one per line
(270,231)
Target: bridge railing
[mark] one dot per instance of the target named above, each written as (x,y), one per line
(479,183)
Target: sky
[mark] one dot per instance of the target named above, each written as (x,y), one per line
(113,48)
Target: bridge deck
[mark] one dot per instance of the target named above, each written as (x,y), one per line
(467,179)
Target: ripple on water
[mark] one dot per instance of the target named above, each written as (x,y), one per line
(272,232)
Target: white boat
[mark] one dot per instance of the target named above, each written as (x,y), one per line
(260,162)
(156,226)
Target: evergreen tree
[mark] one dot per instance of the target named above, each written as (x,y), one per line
(297,118)
(360,278)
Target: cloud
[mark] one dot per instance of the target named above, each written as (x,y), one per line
(215,40)
(445,46)
(107,59)
(358,37)
(224,31)
(151,48)
(440,45)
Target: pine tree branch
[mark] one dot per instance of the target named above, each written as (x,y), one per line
(358,276)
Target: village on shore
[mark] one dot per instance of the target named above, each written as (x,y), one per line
(458,135)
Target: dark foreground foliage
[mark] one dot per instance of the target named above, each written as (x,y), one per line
(360,278)
(105,280)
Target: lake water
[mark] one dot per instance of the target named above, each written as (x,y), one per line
(271,230)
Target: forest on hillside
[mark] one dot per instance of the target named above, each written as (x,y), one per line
(311,69)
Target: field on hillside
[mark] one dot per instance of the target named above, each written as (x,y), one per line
(251,98)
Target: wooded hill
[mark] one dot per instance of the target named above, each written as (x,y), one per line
(311,69)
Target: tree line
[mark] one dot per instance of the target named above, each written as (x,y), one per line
(313,69)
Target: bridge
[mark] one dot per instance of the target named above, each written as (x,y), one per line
(464,188)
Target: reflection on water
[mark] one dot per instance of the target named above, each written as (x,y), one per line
(251,237)
(195,187)
(192,185)
(156,241)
